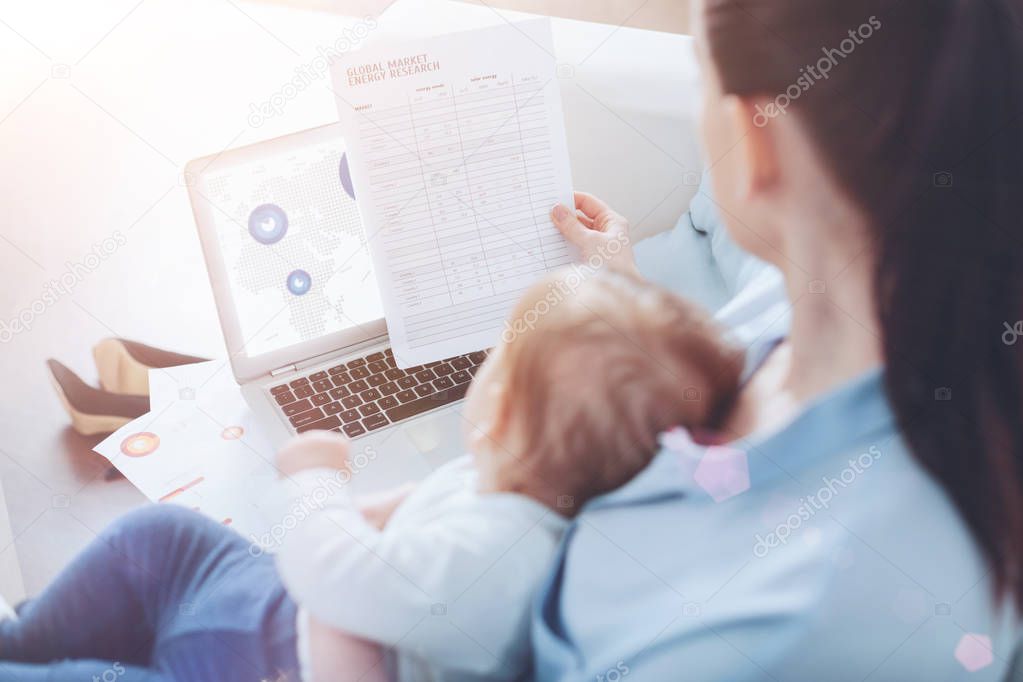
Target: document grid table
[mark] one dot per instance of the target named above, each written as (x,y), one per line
(464,178)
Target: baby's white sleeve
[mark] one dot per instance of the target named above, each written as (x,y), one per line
(332,560)
(454,593)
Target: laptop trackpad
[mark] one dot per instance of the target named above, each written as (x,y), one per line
(437,437)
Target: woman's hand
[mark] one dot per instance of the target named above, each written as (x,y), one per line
(601,234)
(313,450)
(378,507)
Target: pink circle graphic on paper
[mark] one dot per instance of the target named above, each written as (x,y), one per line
(140,444)
(232,433)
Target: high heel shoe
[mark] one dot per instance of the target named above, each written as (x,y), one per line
(94,411)
(124,365)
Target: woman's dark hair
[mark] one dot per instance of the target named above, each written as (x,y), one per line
(916,108)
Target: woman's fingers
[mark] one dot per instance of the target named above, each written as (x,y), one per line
(569,225)
(561,219)
(584,219)
(591,206)
(601,235)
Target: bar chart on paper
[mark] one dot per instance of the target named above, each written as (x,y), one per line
(458,153)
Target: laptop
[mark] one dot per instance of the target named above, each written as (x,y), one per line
(299,306)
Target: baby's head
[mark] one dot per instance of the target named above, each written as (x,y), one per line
(589,372)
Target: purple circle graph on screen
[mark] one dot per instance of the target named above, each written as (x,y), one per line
(268,224)
(299,282)
(346,177)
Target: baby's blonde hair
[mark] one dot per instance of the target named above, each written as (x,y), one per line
(596,368)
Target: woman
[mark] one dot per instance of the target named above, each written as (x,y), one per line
(865,519)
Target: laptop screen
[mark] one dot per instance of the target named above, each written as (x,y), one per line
(293,246)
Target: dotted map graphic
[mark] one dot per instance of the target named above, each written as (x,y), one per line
(316,264)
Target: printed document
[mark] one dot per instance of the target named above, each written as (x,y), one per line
(457,152)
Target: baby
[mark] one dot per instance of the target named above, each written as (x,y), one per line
(569,406)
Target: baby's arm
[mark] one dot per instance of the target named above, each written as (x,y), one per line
(332,547)
(326,451)
(314,463)
(407,587)
(378,508)
(346,572)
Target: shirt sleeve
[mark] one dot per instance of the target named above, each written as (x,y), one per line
(422,588)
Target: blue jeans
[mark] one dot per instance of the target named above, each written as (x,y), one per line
(162,594)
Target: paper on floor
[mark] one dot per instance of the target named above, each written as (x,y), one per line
(200,447)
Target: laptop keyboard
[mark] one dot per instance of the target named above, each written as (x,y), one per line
(369,393)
